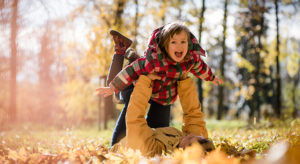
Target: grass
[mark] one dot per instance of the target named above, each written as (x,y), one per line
(234,137)
(47,138)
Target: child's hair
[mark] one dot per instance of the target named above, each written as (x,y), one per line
(168,32)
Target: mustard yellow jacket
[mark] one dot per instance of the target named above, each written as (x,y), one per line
(139,136)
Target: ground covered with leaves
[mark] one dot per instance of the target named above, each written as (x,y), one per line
(236,142)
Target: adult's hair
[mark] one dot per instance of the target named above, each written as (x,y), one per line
(207,144)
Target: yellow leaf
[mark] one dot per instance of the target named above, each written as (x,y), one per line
(12,154)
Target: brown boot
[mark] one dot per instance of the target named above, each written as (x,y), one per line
(131,55)
(121,42)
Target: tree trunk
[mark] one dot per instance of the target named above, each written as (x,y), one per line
(46,88)
(296,81)
(258,61)
(201,20)
(13,62)
(106,107)
(108,101)
(278,80)
(221,87)
(120,9)
(109,109)
(102,82)
(136,23)
(163,8)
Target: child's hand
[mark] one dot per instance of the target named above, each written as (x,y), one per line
(218,81)
(106,91)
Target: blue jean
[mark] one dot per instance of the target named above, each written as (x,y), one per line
(158,116)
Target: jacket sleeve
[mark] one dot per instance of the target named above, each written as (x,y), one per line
(125,77)
(192,116)
(139,134)
(201,70)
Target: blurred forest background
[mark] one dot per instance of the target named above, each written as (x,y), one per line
(54,54)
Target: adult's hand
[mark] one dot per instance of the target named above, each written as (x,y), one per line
(185,75)
(191,138)
(153,76)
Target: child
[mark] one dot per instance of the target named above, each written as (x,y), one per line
(172,51)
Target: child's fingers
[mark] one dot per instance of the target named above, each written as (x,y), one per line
(216,83)
(107,94)
(100,91)
(100,88)
(103,90)
(220,81)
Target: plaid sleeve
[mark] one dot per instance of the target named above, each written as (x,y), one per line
(195,46)
(201,70)
(130,73)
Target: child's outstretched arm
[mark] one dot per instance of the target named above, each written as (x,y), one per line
(202,71)
(125,77)
(107,91)
(141,66)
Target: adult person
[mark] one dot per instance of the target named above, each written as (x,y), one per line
(139,136)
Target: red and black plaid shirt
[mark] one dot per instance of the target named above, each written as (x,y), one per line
(164,90)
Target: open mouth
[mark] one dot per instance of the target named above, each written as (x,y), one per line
(178,54)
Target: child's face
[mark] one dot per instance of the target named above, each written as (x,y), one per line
(178,46)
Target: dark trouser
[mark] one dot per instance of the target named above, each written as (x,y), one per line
(158,116)
(115,67)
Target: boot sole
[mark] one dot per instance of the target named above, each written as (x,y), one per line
(113,32)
